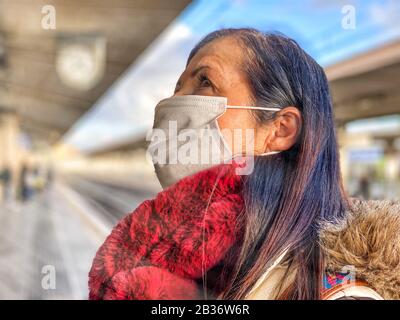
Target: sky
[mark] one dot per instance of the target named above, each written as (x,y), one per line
(324,28)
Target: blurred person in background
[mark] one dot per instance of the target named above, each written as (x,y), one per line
(285,231)
(364,186)
(24,190)
(5,178)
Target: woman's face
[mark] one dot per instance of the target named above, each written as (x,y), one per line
(216,70)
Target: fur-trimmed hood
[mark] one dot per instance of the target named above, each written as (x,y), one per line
(368,240)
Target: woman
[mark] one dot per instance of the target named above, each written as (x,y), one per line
(286,230)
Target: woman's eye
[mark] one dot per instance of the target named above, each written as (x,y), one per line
(204,81)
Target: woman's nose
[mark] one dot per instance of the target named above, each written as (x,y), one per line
(182,93)
(185,89)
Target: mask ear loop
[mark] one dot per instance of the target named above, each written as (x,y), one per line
(251,108)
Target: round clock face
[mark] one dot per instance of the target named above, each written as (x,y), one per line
(76,67)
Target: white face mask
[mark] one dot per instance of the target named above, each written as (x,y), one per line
(179,118)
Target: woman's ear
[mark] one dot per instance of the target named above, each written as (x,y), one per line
(284,130)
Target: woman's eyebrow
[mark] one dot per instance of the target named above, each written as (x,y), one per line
(195,71)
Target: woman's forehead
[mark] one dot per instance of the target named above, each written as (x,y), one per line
(218,54)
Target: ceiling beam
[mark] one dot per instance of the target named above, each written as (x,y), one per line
(368,108)
(371,60)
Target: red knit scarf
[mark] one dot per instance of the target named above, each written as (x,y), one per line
(163,249)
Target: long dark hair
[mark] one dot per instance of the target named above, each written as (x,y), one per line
(288,194)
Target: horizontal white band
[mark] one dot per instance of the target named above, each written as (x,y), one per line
(252,107)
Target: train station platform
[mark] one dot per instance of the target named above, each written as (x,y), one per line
(56,234)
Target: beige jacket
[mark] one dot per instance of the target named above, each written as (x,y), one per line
(367,242)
